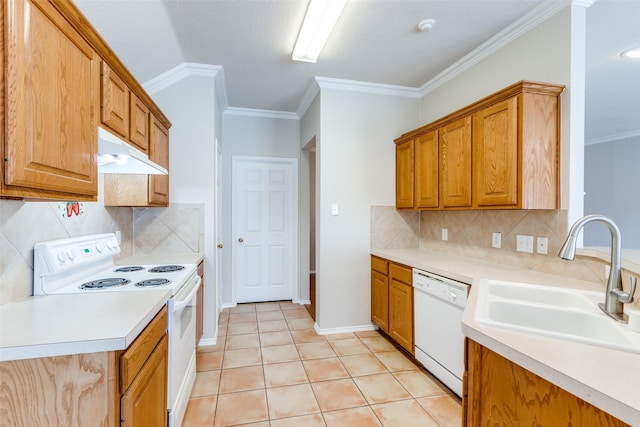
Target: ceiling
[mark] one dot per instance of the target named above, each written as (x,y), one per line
(374,41)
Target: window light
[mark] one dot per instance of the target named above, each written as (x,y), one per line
(319,21)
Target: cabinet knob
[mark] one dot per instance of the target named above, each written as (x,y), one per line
(220,245)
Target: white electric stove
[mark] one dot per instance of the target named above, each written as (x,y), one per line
(86,264)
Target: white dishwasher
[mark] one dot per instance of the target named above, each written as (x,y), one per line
(439,342)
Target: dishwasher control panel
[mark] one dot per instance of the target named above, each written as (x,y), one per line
(440,287)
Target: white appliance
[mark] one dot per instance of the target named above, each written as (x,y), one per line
(439,342)
(86,264)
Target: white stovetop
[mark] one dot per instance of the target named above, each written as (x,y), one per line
(56,325)
(608,379)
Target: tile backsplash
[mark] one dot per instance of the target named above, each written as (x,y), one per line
(176,229)
(469,235)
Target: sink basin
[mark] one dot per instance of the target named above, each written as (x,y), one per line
(561,313)
(545,295)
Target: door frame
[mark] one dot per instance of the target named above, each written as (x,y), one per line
(295,213)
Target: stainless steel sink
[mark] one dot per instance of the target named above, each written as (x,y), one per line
(561,313)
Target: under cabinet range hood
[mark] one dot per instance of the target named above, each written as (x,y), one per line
(116,156)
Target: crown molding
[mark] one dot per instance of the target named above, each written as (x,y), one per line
(189,69)
(583,3)
(367,87)
(308,97)
(614,137)
(252,112)
(524,24)
(352,86)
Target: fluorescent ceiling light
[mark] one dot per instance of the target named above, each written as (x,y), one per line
(631,53)
(318,23)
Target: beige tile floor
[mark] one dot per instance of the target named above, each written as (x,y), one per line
(270,368)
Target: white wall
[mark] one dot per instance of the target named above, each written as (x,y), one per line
(355,169)
(249,135)
(611,187)
(191,106)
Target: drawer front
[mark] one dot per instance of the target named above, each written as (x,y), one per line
(132,360)
(400,272)
(379,264)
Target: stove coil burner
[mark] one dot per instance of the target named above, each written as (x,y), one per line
(166,268)
(153,282)
(129,269)
(105,283)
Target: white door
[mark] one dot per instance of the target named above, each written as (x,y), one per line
(265,226)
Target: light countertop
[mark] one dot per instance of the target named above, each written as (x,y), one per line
(57,325)
(608,379)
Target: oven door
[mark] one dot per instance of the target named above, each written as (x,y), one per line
(182,348)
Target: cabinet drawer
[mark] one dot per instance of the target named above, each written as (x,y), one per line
(379,264)
(132,360)
(400,272)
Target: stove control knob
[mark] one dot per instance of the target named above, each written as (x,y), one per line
(99,247)
(62,257)
(111,244)
(72,253)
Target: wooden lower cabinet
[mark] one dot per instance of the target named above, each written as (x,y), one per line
(401,305)
(380,293)
(497,391)
(392,300)
(145,401)
(104,389)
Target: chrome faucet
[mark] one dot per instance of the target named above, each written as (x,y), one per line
(615,296)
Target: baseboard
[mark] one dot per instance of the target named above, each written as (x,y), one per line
(304,301)
(207,341)
(227,305)
(331,331)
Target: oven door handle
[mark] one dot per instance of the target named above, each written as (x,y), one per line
(183,302)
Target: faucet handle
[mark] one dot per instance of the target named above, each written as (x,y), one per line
(632,290)
(626,297)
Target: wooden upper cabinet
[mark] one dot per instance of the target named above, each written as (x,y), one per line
(114,102)
(455,163)
(51,113)
(501,152)
(426,170)
(159,153)
(138,123)
(404,175)
(495,154)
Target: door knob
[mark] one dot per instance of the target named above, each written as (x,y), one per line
(220,245)
(240,240)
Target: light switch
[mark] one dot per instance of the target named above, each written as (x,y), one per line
(334,209)
(445,234)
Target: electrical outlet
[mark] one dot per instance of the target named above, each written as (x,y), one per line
(524,243)
(496,240)
(445,234)
(543,245)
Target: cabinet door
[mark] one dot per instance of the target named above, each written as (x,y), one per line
(455,176)
(52,94)
(495,154)
(380,300)
(426,170)
(404,175)
(159,153)
(145,402)
(500,392)
(114,102)
(401,313)
(138,123)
